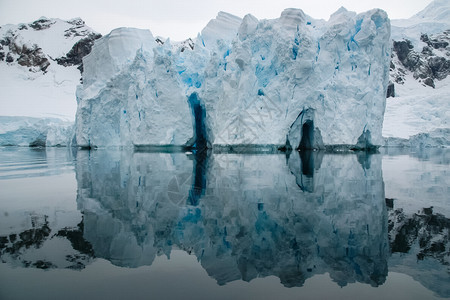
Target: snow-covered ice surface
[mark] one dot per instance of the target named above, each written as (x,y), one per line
(416,109)
(245,82)
(37,132)
(31,94)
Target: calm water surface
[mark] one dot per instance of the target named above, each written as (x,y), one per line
(116,224)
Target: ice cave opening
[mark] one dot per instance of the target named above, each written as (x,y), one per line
(199,115)
(307,141)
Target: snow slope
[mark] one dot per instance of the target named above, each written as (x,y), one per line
(419,114)
(26,93)
(32,82)
(417,109)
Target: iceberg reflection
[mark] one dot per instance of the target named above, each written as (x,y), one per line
(242,216)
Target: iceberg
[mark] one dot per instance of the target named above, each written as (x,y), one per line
(35,132)
(292,81)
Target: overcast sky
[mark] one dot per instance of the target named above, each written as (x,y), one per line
(182,19)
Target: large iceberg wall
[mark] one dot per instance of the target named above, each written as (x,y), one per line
(244,81)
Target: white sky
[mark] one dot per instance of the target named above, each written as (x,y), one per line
(180,19)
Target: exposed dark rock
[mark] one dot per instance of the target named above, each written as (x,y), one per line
(81,48)
(12,237)
(187,44)
(428,65)
(77,22)
(42,23)
(32,57)
(427,51)
(392,66)
(9,58)
(390,90)
(428,211)
(412,61)
(399,77)
(78,29)
(42,264)
(4,42)
(389,203)
(436,43)
(402,48)
(159,41)
(28,56)
(430,82)
(440,67)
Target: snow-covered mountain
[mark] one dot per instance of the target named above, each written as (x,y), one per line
(432,19)
(40,66)
(418,107)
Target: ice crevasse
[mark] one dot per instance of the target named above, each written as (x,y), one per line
(293,81)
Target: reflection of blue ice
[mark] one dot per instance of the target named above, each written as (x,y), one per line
(251,219)
(199,176)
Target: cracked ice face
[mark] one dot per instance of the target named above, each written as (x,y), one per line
(244,82)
